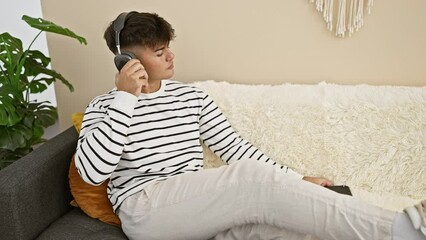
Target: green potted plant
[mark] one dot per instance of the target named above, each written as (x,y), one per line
(24,71)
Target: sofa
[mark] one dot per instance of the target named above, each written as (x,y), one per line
(371,138)
(35,197)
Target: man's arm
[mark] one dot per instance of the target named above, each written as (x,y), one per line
(218,135)
(105,125)
(102,136)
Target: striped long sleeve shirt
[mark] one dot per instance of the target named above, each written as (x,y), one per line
(133,141)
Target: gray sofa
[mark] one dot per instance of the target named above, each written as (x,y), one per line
(35,197)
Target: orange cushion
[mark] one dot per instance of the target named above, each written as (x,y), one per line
(93,200)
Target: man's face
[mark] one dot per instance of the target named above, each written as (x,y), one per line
(158,61)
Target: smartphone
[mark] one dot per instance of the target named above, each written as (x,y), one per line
(343,189)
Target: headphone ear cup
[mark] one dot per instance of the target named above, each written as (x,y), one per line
(121,59)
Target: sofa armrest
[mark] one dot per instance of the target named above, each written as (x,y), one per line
(34,190)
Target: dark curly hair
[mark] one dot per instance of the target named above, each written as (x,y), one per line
(140,29)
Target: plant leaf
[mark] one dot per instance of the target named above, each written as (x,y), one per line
(35,68)
(35,63)
(37,134)
(12,107)
(11,51)
(44,115)
(39,85)
(11,42)
(48,26)
(57,75)
(14,137)
(39,57)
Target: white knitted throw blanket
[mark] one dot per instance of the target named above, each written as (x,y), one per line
(372,138)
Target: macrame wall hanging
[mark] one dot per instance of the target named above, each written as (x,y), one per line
(350,14)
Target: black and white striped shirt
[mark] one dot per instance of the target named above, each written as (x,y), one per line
(137,140)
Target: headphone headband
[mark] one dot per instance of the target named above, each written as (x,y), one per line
(121,58)
(118,25)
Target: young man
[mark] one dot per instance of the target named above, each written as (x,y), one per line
(144,137)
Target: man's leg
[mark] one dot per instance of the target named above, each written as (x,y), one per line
(202,204)
(260,232)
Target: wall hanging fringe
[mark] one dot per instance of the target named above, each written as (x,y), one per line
(350,14)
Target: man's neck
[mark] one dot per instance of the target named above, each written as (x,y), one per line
(153,86)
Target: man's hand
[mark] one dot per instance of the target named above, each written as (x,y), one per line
(318,180)
(132,77)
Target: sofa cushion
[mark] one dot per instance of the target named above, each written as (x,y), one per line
(93,200)
(76,225)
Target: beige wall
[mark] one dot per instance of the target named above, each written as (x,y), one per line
(244,41)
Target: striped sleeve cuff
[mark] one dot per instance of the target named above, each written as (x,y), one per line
(124,102)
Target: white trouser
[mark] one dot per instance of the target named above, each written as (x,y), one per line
(248,200)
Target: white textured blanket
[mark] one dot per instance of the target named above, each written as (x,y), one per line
(372,138)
